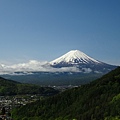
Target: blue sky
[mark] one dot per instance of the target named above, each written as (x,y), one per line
(46,29)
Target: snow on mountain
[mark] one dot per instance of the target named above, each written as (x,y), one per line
(74,57)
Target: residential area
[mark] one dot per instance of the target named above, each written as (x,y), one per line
(7,103)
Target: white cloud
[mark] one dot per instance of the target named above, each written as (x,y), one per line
(34,65)
(87,70)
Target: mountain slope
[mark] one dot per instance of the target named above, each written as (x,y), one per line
(99,100)
(9,87)
(83,62)
(74,57)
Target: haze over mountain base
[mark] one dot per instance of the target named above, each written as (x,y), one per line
(57,79)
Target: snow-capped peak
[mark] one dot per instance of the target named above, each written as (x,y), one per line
(74,57)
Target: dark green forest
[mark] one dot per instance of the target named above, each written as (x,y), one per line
(98,100)
(9,87)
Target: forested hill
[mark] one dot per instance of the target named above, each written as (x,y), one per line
(9,87)
(4,81)
(99,100)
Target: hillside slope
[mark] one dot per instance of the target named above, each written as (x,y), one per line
(9,87)
(99,100)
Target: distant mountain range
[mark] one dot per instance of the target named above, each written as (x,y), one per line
(61,71)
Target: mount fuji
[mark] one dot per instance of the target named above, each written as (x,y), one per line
(74,57)
(83,62)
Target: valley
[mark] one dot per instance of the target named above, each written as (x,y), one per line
(59,78)
(98,100)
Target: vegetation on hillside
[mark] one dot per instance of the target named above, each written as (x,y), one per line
(9,87)
(99,100)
